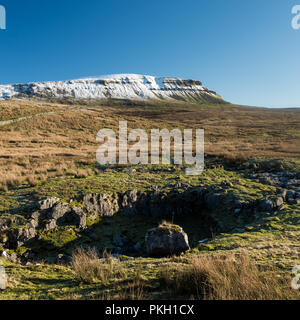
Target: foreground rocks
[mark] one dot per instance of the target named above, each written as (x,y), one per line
(48,203)
(166,240)
(62,214)
(51,213)
(288,181)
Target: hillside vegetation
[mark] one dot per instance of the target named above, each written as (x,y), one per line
(252,160)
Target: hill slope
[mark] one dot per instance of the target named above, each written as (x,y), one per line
(121,86)
(238,207)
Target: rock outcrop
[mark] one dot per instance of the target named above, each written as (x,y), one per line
(52,213)
(166,240)
(120,86)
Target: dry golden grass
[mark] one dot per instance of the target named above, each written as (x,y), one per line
(63,143)
(219,276)
(225,277)
(16,109)
(134,290)
(88,268)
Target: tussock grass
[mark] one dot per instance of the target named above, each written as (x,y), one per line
(134,289)
(225,277)
(88,268)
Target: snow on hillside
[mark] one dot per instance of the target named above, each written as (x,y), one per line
(119,86)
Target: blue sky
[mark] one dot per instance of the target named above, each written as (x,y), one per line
(245,50)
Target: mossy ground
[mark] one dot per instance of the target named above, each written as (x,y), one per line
(166,178)
(279,250)
(270,238)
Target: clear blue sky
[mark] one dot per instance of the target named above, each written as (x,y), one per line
(245,50)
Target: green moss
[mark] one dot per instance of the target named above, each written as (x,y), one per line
(92,221)
(21,250)
(167,178)
(265,164)
(168,226)
(206,247)
(59,237)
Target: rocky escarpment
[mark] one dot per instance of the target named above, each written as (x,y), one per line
(209,203)
(124,86)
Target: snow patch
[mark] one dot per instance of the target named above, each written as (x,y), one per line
(116,86)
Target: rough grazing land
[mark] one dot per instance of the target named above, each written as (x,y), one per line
(241,216)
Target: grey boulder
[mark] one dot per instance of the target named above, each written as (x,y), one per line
(166,240)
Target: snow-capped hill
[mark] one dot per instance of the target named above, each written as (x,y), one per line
(120,86)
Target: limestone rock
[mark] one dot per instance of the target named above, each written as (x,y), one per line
(166,240)
(48,203)
(100,204)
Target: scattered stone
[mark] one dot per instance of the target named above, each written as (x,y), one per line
(129,170)
(294,201)
(62,214)
(244,204)
(79,218)
(282,194)
(37,216)
(286,180)
(28,257)
(12,258)
(226,184)
(47,203)
(4,255)
(203,241)
(100,204)
(59,211)
(265,204)
(290,195)
(166,240)
(20,236)
(278,202)
(129,202)
(4,223)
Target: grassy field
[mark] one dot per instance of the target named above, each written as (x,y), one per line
(51,151)
(64,142)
